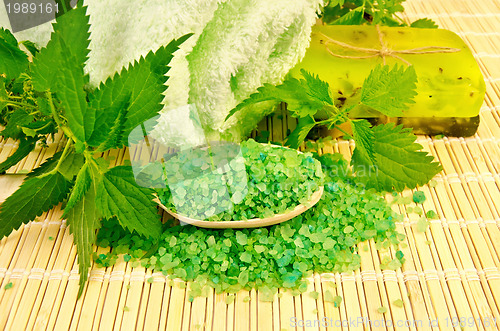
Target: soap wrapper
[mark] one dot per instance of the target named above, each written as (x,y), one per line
(450,83)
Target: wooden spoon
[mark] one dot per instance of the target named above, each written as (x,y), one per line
(254,222)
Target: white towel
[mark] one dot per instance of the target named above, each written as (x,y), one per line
(237,46)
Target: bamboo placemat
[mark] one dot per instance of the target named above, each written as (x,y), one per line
(451,271)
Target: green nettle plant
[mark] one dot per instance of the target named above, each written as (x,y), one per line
(51,94)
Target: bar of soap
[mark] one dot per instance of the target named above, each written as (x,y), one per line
(450,84)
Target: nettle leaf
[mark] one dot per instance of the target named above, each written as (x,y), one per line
(16,121)
(140,86)
(354,17)
(305,125)
(115,135)
(82,184)
(25,147)
(389,91)
(14,60)
(118,195)
(364,137)
(68,51)
(265,93)
(30,46)
(424,23)
(35,196)
(69,88)
(316,88)
(4,96)
(334,3)
(297,97)
(84,220)
(399,163)
(69,167)
(73,29)
(304,97)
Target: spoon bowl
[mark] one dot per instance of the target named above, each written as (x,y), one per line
(251,223)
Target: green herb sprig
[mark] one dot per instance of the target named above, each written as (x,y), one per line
(386,157)
(52,93)
(383,12)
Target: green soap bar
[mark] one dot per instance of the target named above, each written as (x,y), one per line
(450,84)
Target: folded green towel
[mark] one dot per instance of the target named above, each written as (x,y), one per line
(237,46)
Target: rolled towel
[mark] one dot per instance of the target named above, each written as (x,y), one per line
(237,46)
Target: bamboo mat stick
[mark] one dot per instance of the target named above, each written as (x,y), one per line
(231,318)
(155,301)
(37,280)
(440,250)
(116,289)
(388,279)
(414,297)
(54,267)
(286,309)
(381,282)
(320,302)
(121,307)
(309,305)
(329,289)
(209,320)
(454,269)
(489,188)
(133,299)
(355,304)
(253,310)
(56,289)
(37,231)
(265,315)
(481,204)
(186,314)
(74,287)
(165,305)
(477,247)
(352,299)
(101,298)
(199,310)
(20,263)
(9,256)
(144,299)
(395,287)
(242,311)
(429,269)
(8,148)
(464,309)
(94,287)
(469,211)
(70,308)
(371,289)
(277,125)
(220,312)
(276,314)
(342,293)
(175,311)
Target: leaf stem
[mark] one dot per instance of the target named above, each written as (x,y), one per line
(323,122)
(10,102)
(61,159)
(64,154)
(66,131)
(342,130)
(43,127)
